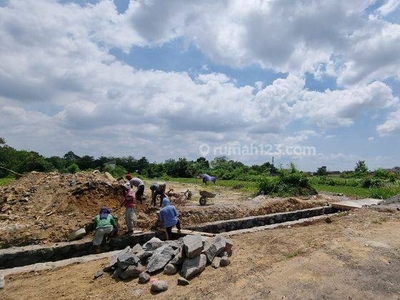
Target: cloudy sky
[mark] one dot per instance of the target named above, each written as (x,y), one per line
(309,82)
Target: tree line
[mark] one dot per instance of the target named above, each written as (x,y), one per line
(13,161)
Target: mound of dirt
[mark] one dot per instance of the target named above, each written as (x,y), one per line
(42,208)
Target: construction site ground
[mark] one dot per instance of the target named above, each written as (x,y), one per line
(349,255)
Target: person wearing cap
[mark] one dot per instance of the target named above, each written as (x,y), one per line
(138,183)
(169,217)
(129,203)
(104,224)
(157,189)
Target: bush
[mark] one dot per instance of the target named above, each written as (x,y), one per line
(288,183)
(73,168)
(373,183)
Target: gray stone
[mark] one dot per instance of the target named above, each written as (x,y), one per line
(152,244)
(160,258)
(137,248)
(137,293)
(223,253)
(179,256)
(175,244)
(170,269)
(132,272)
(183,281)
(193,266)
(228,246)
(225,261)
(159,286)
(127,259)
(117,273)
(216,262)
(114,259)
(218,245)
(144,277)
(193,245)
(98,274)
(2,282)
(143,256)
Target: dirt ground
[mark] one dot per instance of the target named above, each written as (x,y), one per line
(44,208)
(351,255)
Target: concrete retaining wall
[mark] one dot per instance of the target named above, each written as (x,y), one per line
(250,222)
(22,256)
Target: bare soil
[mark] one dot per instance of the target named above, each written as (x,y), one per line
(351,255)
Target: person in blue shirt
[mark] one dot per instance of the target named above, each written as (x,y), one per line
(206,178)
(169,217)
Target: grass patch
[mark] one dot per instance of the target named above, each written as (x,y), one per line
(252,188)
(238,185)
(360,192)
(343,213)
(6,181)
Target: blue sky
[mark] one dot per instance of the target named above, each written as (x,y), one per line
(312,82)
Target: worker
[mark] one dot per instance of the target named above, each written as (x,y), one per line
(206,178)
(104,224)
(129,203)
(157,189)
(169,217)
(138,183)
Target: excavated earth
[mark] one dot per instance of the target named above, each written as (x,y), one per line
(349,255)
(42,208)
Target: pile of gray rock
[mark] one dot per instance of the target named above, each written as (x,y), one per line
(189,256)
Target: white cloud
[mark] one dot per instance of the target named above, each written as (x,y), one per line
(389,7)
(391,126)
(373,54)
(272,109)
(342,107)
(61,85)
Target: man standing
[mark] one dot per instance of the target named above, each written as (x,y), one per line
(129,203)
(138,183)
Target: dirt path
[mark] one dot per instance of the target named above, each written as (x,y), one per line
(356,256)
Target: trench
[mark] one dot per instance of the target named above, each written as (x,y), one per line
(27,255)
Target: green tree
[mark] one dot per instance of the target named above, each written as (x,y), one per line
(219,162)
(71,156)
(142,165)
(361,169)
(57,163)
(86,162)
(321,171)
(8,159)
(155,170)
